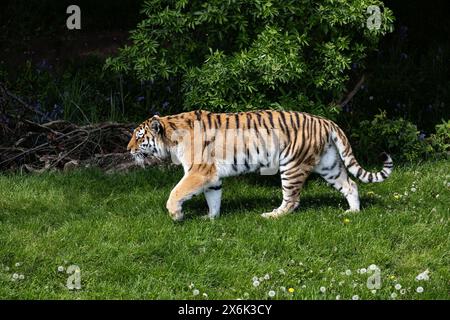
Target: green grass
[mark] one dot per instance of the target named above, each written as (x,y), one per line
(116,229)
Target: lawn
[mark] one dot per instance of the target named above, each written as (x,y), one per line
(116,229)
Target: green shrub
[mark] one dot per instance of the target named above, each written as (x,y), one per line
(398,137)
(440,140)
(240,55)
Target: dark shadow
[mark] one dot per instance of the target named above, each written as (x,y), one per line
(238,205)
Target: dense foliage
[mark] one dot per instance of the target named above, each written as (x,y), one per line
(400,138)
(241,55)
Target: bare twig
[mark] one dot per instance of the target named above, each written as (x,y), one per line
(352,93)
(23,103)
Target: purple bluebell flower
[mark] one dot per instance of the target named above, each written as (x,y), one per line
(37,106)
(4,119)
(56,112)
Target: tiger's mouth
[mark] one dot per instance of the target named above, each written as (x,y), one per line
(138,157)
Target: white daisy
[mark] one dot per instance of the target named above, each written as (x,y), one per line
(21,276)
(393,295)
(255,283)
(271,293)
(423,276)
(267,276)
(419,289)
(363,270)
(323,289)
(348,272)
(398,286)
(196,292)
(15,276)
(373,267)
(355,297)
(338,297)
(60,269)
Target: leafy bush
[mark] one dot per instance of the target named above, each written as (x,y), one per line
(241,55)
(440,141)
(398,137)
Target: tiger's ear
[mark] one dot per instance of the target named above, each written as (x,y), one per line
(156,126)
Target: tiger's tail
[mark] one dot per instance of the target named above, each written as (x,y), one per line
(345,152)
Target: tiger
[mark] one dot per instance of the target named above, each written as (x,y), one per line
(211,146)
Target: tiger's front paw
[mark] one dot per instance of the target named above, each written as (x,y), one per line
(274,214)
(174,211)
(176,216)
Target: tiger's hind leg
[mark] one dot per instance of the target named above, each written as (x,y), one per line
(333,171)
(292,180)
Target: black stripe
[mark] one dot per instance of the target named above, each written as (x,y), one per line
(258,115)
(219,121)
(269,114)
(359,172)
(173,126)
(209,119)
(283,118)
(297,118)
(198,114)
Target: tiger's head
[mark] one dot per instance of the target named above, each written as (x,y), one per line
(148,140)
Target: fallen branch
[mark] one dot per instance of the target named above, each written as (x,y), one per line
(352,93)
(58,144)
(23,103)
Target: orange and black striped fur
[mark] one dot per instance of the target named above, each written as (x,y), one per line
(211,146)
